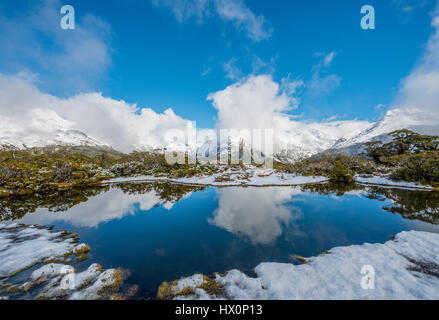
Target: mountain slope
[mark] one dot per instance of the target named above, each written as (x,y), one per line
(412,119)
(66,138)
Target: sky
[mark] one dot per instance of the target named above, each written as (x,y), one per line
(173,60)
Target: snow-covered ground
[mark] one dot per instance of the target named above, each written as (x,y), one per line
(25,246)
(404,268)
(384,181)
(264,177)
(229,177)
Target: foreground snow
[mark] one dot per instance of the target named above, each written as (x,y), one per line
(405,268)
(229,177)
(23,247)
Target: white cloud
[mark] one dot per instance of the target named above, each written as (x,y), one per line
(256,27)
(325,59)
(67,61)
(407,6)
(259,214)
(232,71)
(258,102)
(184,9)
(254,102)
(111,205)
(419,92)
(30,116)
(328,58)
(320,85)
(206,71)
(292,88)
(261,66)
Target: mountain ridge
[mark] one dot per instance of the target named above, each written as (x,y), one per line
(292,146)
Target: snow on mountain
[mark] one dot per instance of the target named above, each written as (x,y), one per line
(395,119)
(67,138)
(309,139)
(300,141)
(77,138)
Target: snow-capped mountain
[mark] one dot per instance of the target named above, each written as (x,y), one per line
(298,142)
(77,138)
(65,138)
(393,120)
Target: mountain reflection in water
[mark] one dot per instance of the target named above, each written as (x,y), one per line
(163,231)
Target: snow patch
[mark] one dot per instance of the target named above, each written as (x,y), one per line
(230,177)
(384,181)
(405,268)
(26,246)
(23,246)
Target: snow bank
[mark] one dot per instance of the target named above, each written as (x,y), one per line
(264,177)
(23,246)
(26,246)
(61,281)
(405,268)
(230,177)
(384,181)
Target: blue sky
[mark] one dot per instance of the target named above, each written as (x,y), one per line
(161,56)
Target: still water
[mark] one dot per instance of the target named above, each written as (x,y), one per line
(161,232)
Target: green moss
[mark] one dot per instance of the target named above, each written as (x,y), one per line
(212,287)
(327,164)
(81,249)
(341,174)
(165,291)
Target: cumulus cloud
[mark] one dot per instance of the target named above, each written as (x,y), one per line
(254,102)
(32,116)
(67,61)
(258,102)
(421,88)
(256,27)
(419,92)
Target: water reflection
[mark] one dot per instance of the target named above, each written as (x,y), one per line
(12,208)
(162,231)
(83,208)
(259,214)
(410,204)
(413,205)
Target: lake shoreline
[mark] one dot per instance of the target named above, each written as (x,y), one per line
(291,180)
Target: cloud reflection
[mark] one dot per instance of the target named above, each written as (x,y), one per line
(114,204)
(256,213)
